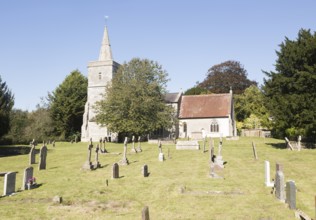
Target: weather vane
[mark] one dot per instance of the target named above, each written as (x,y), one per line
(106,20)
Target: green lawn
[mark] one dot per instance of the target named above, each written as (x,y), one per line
(240,195)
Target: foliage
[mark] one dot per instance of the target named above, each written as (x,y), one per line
(67,104)
(19,121)
(196,90)
(134,103)
(230,74)
(290,90)
(6,104)
(251,102)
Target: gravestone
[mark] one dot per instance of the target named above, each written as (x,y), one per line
(97,163)
(161,157)
(291,194)
(9,183)
(42,158)
(254,151)
(32,155)
(145,171)
(28,174)
(124,161)
(279,183)
(299,146)
(218,160)
(187,145)
(115,171)
(139,149)
(88,165)
(54,143)
(267,174)
(104,142)
(145,213)
(288,144)
(204,143)
(133,145)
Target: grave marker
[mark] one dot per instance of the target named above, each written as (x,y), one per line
(124,161)
(32,155)
(288,144)
(254,151)
(145,171)
(9,183)
(133,145)
(115,171)
(88,165)
(279,183)
(267,174)
(28,174)
(97,163)
(291,194)
(139,149)
(145,213)
(42,159)
(161,157)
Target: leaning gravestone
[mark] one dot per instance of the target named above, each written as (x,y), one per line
(28,174)
(42,159)
(279,183)
(254,151)
(9,183)
(115,171)
(187,145)
(291,194)
(32,155)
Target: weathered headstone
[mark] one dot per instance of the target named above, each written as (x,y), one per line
(88,165)
(133,145)
(161,156)
(218,160)
(97,163)
(115,171)
(145,213)
(9,183)
(124,161)
(42,158)
(204,143)
(279,183)
(299,146)
(267,174)
(254,151)
(28,174)
(32,155)
(145,171)
(291,194)
(104,142)
(139,149)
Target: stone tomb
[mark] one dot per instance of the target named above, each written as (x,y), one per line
(9,183)
(42,159)
(187,145)
(28,174)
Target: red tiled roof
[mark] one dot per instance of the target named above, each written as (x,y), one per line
(206,106)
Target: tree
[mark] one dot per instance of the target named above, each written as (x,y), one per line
(18,122)
(6,104)
(196,90)
(230,74)
(251,105)
(290,90)
(67,104)
(134,102)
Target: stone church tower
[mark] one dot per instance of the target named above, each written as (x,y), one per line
(100,73)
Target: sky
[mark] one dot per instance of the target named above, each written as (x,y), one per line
(41,42)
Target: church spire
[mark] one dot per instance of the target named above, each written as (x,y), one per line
(105,51)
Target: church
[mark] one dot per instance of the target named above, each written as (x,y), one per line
(199,116)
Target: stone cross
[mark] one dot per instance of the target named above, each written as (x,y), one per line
(115,171)
(254,151)
(104,141)
(133,144)
(139,149)
(9,183)
(267,174)
(145,171)
(28,174)
(145,213)
(291,194)
(32,155)
(279,183)
(97,163)
(42,158)
(88,165)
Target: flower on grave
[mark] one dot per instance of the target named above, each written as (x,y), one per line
(32,181)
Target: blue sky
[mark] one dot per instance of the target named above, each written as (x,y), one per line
(41,42)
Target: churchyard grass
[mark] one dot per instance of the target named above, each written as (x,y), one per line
(242,193)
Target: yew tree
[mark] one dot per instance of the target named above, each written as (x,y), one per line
(6,105)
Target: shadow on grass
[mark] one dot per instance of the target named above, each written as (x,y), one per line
(13,150)
(277,145)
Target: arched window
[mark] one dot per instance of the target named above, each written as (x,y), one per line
(184,127)
(214,126)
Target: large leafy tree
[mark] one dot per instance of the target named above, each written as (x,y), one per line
(290,90)
(134,101)
(6,104)
(230,74)
(250,106)
(67,104)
